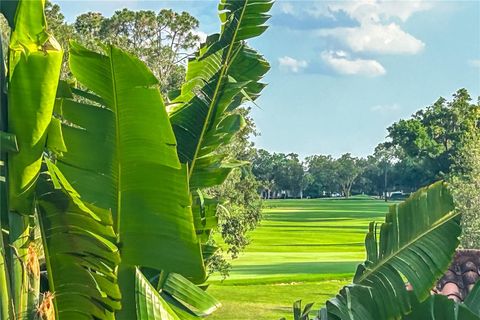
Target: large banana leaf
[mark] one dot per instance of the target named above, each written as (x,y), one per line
(224,73)
(416,243)
(122,155)
(80,253)
(35,59)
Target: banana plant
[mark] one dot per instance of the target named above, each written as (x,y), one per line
(36,201)
(104,182)
(28,95)
(139,171)
(416,243)
(223,75)
(135,172)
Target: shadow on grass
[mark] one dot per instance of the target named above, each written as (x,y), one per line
(297,268)
(353,244)
(322,216)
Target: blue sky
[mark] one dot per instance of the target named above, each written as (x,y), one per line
(343,71)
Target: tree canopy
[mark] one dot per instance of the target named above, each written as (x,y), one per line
(418,151)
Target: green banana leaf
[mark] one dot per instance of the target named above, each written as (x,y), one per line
(122,156)
(224,74)
(415,243)
(35,60)
(204,211)
(473,299)
(205,215)
(175,301)
(80,251)
(438,307)
(34,64)
(150,305)
(189,296)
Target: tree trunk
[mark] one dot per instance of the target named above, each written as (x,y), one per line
(385,184)
(346,191)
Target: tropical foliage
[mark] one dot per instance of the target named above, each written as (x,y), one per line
(102,181)
(440,307)
(415,244)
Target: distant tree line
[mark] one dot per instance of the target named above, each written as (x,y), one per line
(418,151)
(164,40)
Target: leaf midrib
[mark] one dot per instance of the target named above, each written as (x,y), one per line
(118,145)
(217,89)
(446,218)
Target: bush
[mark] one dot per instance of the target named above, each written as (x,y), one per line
(465,185)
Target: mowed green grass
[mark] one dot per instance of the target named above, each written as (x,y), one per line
(303,249)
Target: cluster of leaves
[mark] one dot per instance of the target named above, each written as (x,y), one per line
(333,175)
(240,211)
(465,182)
(435,136)
(281,174)
(442,141)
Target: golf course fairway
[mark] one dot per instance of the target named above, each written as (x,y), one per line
(303,249)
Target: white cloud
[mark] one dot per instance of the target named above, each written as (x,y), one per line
(341,63)
(385,108)
(377,33)
(287,8)
(376,38)
(475,63)
(380,10)
(360,10)
(292,64)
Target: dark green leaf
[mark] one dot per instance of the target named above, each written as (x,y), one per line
(416,243)
(473,299)
(81,257)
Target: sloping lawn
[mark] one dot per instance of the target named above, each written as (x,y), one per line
(304,249)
